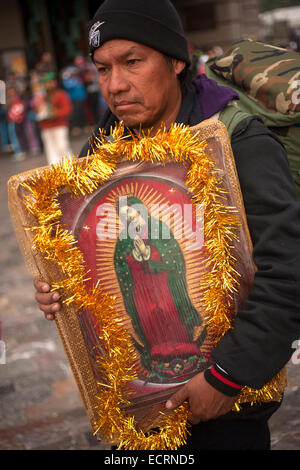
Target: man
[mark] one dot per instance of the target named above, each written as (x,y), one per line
(142,59)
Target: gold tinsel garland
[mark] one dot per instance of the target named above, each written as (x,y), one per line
(58,245)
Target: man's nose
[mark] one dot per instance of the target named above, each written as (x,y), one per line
(117,81)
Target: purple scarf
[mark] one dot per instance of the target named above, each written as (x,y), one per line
(213,97)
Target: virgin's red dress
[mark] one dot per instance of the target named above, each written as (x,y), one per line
(165,333)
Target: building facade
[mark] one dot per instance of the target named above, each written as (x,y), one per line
(28,28)
(218,22)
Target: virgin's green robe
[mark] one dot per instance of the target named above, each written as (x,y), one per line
(172,262)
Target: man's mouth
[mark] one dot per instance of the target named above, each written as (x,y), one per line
(124,105)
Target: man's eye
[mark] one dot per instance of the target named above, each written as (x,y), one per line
(102,70)
(132,61)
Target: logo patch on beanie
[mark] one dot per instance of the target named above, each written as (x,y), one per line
(94,36)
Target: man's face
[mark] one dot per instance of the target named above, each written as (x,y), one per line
(138,84)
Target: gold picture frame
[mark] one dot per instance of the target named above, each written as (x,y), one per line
(51,254)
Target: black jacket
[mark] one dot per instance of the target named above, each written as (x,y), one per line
(261,342)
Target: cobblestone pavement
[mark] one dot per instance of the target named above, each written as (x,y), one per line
(40,406)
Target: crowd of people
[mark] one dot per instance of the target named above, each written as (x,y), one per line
(201,56)
(44,109)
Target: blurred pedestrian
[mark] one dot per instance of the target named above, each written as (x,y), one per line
(75,88)
(16,116)
(20,114)
(5,146)
(93,97)
(53,115)
(207,53)
(46,64)
(81,67)
(31,128)
(88,74)
(18,155)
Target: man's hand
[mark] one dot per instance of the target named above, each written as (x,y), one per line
(205,401)
(47,301)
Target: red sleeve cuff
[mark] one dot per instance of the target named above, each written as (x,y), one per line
(218,379)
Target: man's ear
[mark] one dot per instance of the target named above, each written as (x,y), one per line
(178,66)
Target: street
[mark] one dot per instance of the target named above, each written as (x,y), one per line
(40,406)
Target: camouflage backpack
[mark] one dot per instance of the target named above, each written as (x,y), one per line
(267,79)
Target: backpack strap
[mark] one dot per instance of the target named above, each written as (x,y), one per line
(231,115)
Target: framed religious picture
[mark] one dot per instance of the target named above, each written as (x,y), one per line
(147,241)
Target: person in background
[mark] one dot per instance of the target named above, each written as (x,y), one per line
(93,97)
(52,112)
(75,88)
(16,117)
(207,53)
(46,64)
(31,128)
(87,73)
(81,66)
(5,143)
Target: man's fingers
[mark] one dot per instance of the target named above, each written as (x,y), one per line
(47,301)
(41,286)
(49,316)
(47,298)
(177,399)
(51,308)
(194,419)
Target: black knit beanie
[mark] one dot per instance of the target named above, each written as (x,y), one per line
(154,23)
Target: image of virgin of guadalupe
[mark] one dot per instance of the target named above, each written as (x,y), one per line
(150,268)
